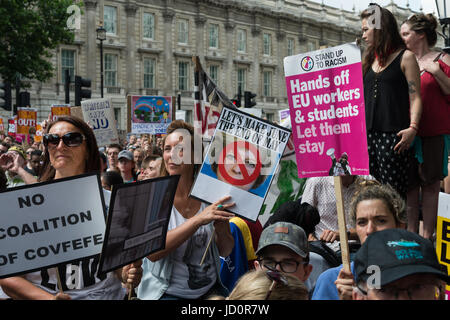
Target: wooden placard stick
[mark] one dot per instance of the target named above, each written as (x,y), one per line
(207,247)
(343,239)
(59,280)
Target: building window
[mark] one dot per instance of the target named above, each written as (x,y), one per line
(110,70)
(241,79)
(149,25)
(183,73)
(68,63)
(267,44)
(214,73)
(117,117)
(290,47)
(312,45)
(214,36)
(149,73)
(241,40)
(183,31)
(110,19)
(267,83)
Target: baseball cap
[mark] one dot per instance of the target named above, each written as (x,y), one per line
(125,154)
(398,253)
(284,234)
(19,150)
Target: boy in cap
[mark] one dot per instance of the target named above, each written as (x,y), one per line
(126,166)
(398,264)
(283,246)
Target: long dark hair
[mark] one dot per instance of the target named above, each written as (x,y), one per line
(386,40)
(93,160)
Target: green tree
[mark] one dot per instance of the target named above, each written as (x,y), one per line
(29,31)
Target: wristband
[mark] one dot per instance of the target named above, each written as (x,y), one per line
(414,128)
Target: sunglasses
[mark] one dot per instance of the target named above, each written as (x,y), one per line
(70,139)
(277,278)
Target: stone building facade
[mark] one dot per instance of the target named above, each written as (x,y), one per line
(150,44)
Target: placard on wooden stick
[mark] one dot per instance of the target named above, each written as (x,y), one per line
(343,239)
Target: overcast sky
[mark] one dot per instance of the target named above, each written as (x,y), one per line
(428,5)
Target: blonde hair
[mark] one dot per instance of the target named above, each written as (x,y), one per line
(254,285)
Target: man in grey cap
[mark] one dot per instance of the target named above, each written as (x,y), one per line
(283,246)
(126,166)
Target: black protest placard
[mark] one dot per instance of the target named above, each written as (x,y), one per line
(137,222)
(46,224)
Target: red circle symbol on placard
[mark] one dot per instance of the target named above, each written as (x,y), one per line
(233,148)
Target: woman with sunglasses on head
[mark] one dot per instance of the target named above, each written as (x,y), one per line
(419,34)
(71,149)
(392,98)
(188,267)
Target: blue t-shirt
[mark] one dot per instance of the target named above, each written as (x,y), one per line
(325,288)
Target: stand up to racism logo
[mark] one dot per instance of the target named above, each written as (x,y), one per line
(307,63)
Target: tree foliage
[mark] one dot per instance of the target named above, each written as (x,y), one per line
(29,31)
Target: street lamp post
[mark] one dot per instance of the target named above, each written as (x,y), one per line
(101,35)
(443,8)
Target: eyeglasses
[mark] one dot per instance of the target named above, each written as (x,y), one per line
(277,278)
(70,139)
(414,292)
(287,266)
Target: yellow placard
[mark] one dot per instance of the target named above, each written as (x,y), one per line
(443,235)
(59,111)
(26,119)
(39,133)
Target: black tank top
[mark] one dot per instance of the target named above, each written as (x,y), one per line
(386,97)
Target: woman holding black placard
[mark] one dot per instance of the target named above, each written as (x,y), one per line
(189,266)
(70,150)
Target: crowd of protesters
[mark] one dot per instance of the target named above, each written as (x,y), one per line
(296,255)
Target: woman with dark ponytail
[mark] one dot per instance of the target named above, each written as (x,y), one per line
(419,34)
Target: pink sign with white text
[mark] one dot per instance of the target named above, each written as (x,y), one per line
(326,102)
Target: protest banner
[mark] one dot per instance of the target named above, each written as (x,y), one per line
(100,115)
(50,223)
(240,162)
(326,101)
(285,118)
(26,119)
(443,235)
(26,124)
(59,110)
(150,114)
(138,218)
(12,127)
(39,133)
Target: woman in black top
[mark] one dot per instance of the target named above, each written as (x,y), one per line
(392,97)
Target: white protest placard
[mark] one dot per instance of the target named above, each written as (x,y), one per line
(50,223)
(241,161)
(100,115)
(137,223)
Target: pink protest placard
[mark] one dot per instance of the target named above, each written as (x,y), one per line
(326,103)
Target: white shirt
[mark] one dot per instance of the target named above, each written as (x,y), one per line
(319,192)
(190,280)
